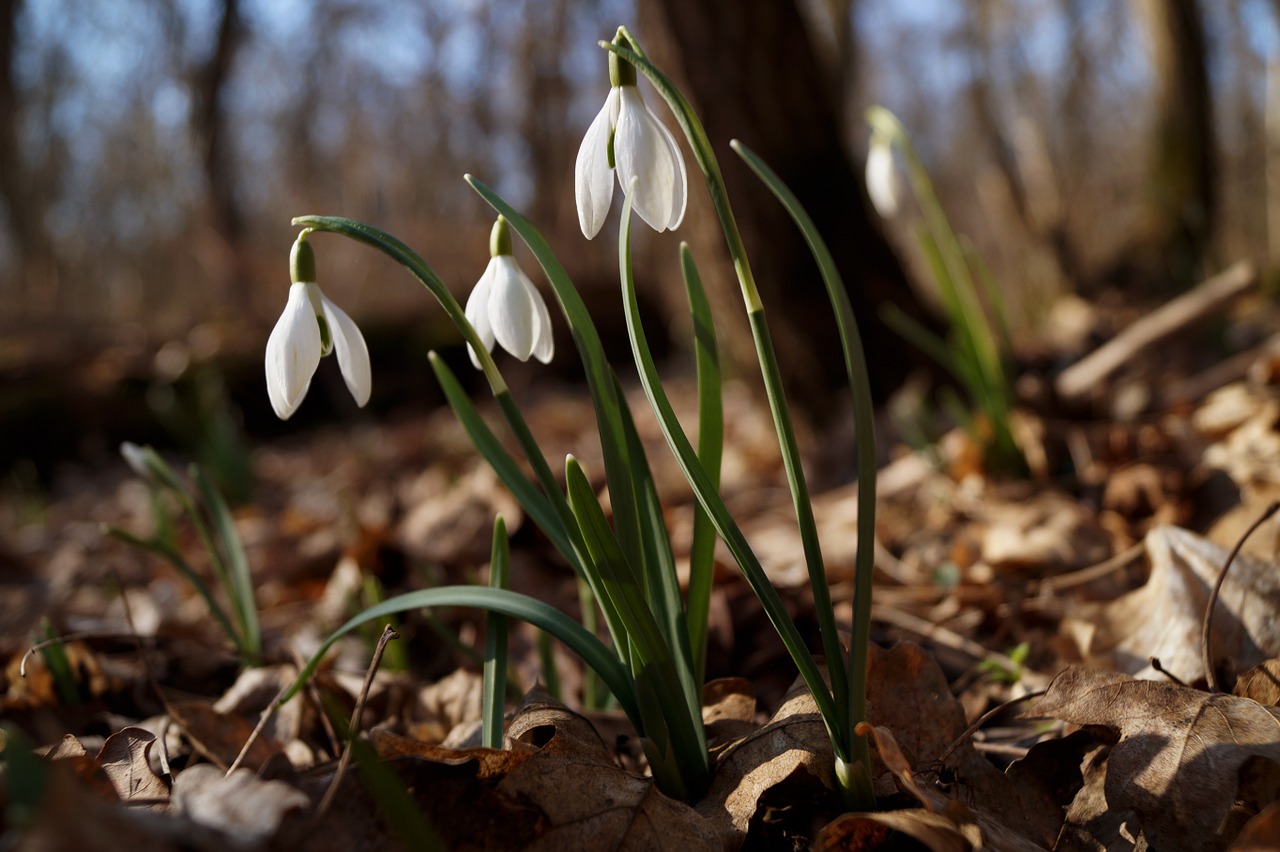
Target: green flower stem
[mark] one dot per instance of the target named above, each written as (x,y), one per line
(511,604)
(855,362)
(493,691)
(705,156)
(709,498)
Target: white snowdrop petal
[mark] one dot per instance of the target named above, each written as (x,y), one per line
(477,312)
(680,191)
(293,353)
(511,310)
(592,177)
(353,354)
(882,182)
(544,345)
(641,151)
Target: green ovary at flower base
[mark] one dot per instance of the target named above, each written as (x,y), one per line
(627,135)
(506,307)
(311,327)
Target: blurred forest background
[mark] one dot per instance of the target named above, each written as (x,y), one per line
(152,153)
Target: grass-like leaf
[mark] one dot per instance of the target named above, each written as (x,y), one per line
(238,575)
(494,681)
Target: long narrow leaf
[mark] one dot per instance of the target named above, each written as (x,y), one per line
(511,604)
(493,687)
(238,572)
(769,370)
(658,682)
(175,559)
(702,550)
(864,424)
(709,498)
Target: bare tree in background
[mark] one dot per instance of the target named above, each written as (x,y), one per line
(211,128)
(34,260)
(1180,200)
(751,72)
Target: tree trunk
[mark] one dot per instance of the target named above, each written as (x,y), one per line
(1177,223)
(750,71)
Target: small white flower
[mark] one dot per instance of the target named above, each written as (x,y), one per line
(297,343)
(642,148)
(506,307)
(882,179)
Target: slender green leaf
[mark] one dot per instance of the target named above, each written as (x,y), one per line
(239,575)
(859,779)
(493,692)
(539,505)
(175,559)
(702,551)
(657,680)
(709,498)
(511,604)
(600,378)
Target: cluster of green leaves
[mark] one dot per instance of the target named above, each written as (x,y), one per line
(211,518)
(976,349)
(654,663)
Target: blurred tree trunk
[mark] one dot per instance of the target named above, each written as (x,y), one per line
(26,204)
(209,119)
(1169,249)
(751,72)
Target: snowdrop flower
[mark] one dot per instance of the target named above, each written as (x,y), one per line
(310,328)
(882,180)
(626,134)
(506,307)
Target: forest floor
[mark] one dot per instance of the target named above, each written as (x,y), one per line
(1064,611)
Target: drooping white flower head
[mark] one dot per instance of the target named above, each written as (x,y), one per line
(311,327)
(506,307)
(627,135)
(882,179)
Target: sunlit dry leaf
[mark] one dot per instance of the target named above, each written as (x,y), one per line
(728,710)
(1261,683)
(125,759)
(1178,757)
(1046,531)
(1163,618)
(934,831)
(441,707)
(242,806)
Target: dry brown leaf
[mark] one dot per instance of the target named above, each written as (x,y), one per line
(254,691)
(125,760)
(555,787)
(248,810)
(728,711)
(1163,618)
(1261,683)
(1179,752)
(937,833)
(792,749)
(220,736)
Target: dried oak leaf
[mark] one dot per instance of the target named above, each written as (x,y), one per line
(870,831)
(1178,755)
(1163,618)
(556,786)
(1261,683)
(125,758)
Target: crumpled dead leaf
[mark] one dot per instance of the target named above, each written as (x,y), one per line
(1178,752)
(125,758)
(555,786)
(242,806)
(1163,618)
